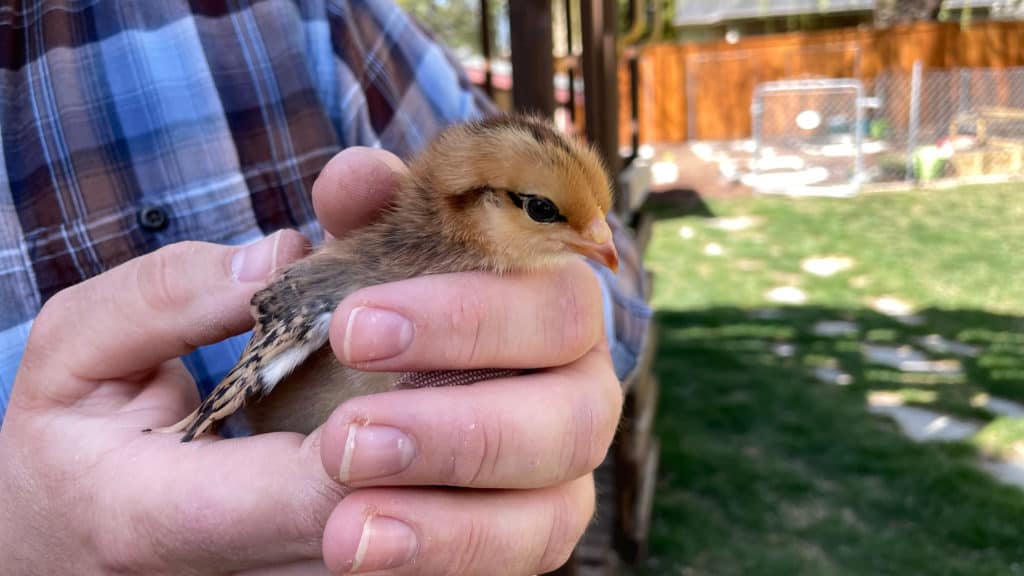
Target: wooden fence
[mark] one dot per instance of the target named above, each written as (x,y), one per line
(703,91)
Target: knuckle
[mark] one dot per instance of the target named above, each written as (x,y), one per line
(477,451)
(567,521)
(49,334)
(472,550)
(52,316)
(604,423)
(303,527)
(592,425)
(579,313)
(586,449)
(610,410)
(466,321)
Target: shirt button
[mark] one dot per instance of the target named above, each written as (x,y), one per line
(153,218)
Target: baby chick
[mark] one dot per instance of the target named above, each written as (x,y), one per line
(505,194)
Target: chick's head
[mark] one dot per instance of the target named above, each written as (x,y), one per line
(526,195)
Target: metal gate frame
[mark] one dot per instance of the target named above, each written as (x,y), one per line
(818,85)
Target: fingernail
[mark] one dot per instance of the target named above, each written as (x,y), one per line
(256,261)
(385,543)
(374,452)
(375,334)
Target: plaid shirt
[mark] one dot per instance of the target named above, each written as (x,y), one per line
(130,125)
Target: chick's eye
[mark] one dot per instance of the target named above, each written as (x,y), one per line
(541,210)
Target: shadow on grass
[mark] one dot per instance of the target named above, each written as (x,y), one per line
(677,202)
(766,470)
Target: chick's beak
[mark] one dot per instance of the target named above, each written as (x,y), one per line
(596,243)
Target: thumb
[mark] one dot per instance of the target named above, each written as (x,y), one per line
(154,308)
(355,186)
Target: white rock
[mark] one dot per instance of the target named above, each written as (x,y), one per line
(734,224)
(891,306)
(714,249)
(786,162)
(826,265)
(665,172)
(701,150)
(786,295)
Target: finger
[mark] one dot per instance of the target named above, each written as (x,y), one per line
(521,432)
(155,307)
(354,186)
(471,320)
(230,505)
(457,533)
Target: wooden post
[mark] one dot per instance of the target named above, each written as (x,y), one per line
(485,45)
(533,68)
(601,88)
(572,68)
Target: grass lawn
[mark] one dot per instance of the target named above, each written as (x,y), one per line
(766,470)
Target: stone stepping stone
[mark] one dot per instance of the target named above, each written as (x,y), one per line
(922,425)
(766,314)
(835,328)
(1008,472)
(938,345)
(907,359)
(784,350)
(834,376)
(999,406)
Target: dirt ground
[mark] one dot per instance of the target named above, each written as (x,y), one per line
(695,175)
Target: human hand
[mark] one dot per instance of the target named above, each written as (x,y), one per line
(524,445)
(86,489)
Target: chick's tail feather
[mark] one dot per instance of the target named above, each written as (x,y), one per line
(227,398)
(270,356)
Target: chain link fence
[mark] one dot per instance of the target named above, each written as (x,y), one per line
(962,123)
(828,137)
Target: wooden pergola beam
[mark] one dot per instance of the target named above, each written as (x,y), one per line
(601,87)
(533,68)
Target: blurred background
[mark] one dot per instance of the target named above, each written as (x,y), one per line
(827,197)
